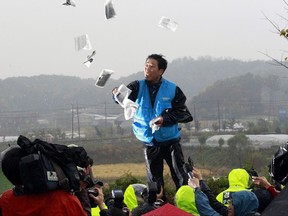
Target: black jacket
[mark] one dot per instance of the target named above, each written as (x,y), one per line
(214,203)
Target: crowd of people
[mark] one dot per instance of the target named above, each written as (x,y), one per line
(160,108)
(246,195)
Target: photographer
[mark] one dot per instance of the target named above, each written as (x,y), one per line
(133,195)
(15,202)
(241,202)
(114,203)
(152,200)
(87,181)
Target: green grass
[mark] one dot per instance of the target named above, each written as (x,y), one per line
(4,183)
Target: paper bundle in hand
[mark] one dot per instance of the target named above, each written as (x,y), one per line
(153,124)
(129,106)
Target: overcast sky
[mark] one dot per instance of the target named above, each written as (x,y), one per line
(37,36)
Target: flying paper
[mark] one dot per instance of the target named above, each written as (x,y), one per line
(109,9)
(82,42)
(167,23)
(69,3)
(89,59)
(103,78)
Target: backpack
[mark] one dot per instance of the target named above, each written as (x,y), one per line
(50,166)
(278,168)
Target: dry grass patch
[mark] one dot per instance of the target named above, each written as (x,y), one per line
(112,171)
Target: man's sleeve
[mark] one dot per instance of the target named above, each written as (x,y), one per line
(202,204)
(134,86)
(214,203)
(179,112)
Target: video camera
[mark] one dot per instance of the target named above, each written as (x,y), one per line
(152,192)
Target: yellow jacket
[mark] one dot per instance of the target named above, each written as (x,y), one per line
(238,180)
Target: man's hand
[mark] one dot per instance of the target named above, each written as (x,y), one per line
(261,181)
(194,183)
(160,121)
(115,91)
(99,200)
(197,173)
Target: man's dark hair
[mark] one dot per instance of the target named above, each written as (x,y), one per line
(90,161)
(162,62)
(10,165)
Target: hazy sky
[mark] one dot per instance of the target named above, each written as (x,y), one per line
(37,36)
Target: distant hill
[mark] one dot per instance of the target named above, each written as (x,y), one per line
(50,92)
(194,76)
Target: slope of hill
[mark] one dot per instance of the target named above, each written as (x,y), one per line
(49,92)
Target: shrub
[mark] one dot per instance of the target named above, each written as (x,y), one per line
(217,185)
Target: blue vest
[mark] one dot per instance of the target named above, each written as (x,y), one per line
(145,113)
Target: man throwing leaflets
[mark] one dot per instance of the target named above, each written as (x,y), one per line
(161,106)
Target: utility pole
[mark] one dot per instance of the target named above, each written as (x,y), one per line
(219,126)
(78,122)
(195,119)
(72,126)
(105,110)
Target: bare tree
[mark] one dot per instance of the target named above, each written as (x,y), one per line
(283,32)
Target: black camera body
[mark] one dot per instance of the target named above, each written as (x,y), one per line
(189,167)
(152,192)
(115,203)
(94,193)
(149,194)
(118,198)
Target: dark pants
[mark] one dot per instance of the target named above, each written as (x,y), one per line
(170,152)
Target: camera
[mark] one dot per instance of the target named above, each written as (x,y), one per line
(158,203)
(94,193)
(152,192)
(189,167)
(118,198)
(86,178)
(115,203)
(149,194)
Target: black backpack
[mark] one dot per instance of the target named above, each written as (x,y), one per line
(278,168)
(50,166)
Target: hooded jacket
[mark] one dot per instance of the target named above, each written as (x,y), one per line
(185,200)
(238,180)
(244,202)
(132,195)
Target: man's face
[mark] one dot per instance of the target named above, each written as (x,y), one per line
(231,210)
(151,71)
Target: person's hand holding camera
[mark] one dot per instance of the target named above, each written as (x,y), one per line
(194,183)
(99,199)
(261,181)
(197,173)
